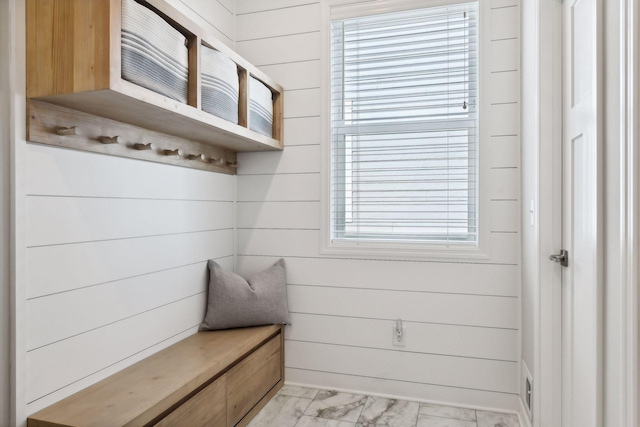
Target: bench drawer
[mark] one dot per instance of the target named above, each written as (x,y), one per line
(207,408)
(251,379)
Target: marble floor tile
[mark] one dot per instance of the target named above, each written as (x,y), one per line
(379,411)
(337,406)
(448,412)
(292,390)
(307,421)
(429,421)
(494,419)
(281,411)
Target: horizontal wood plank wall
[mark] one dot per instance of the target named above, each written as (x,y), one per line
(462,319)
(117,252)
(216,16)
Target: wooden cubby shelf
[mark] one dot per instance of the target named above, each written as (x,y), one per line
(74,61)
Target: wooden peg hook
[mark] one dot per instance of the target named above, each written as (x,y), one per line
(139,146)
(110,139)
(176,152)
(67,131)
(198,157)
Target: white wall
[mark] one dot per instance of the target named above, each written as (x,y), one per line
(115,253)
(5,391)
(216,16)
(462,318)
(116,260)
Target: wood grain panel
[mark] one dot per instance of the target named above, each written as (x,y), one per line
(207,408)
(60,316)
(459,341)
(54,269)
(60,220)
(450,309)
(58,172)
(251,379)
(72,48)
(477,374)
(480,279)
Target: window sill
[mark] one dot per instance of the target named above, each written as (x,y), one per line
(455,252)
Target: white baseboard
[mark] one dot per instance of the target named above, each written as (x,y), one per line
(523,415)
(413,399)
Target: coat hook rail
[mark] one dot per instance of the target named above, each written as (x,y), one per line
(63,127)
(110,139)
(67,131)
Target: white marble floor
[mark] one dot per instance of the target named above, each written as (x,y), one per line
(305,407)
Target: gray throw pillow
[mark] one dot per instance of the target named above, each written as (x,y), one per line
(234,302)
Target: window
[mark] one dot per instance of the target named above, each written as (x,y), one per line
(404,127)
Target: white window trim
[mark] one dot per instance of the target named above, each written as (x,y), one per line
(339,9)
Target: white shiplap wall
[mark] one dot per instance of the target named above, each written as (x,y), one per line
(116,253)
(462,319)
(5,209)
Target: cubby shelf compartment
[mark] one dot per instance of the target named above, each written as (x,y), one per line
(74,61)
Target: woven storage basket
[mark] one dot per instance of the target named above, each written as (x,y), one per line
(154,54)
(220,86)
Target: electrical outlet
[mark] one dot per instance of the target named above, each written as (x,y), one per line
(399,334)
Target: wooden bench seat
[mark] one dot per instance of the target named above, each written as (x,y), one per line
(220,378)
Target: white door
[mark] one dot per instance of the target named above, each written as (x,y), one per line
(581,215)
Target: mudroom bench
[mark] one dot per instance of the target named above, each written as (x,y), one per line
(220,378)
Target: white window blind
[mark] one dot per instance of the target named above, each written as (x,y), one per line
(404,126)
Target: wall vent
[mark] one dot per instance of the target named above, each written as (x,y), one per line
(526,391)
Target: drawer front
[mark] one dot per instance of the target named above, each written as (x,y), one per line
(207,408)
(251,379)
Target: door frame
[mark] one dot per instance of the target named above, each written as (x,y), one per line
(547,359)
(547,409)
(629,211)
